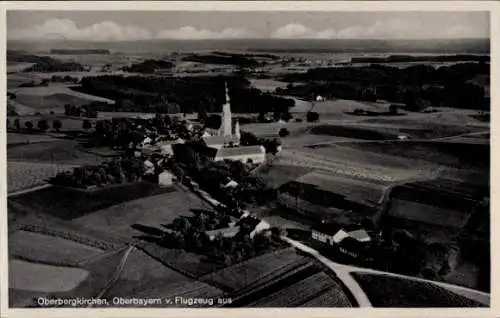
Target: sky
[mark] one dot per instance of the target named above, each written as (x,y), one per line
(102,26)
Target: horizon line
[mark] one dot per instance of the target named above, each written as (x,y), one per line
(254,39)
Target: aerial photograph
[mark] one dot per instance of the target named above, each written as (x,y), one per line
(244,159)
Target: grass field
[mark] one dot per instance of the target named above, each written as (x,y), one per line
(189,264)
(142,273)
(463,156)
(351,189)
(297,293)
(45,278)
(52,97)
(387,291)
(58,152)
(276,175)
(333,297)
(26,175)
(41,248)
(259,269)
(54,102)
(426,213)
(152,211)
(71,205)
(267,85)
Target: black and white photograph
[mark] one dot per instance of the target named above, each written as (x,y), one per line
(248,159)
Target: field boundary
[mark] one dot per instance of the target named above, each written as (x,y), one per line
(75,237)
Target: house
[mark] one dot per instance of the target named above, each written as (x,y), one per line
(351,240)
(165,179)
(219,142)
(231,184)
(255,154)
(227,232)
(252,225)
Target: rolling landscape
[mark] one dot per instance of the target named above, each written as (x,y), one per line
(261,172)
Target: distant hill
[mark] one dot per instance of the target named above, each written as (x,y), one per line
(79,51)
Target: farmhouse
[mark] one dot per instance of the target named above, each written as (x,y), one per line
(165,179)
(246,225)
(254,154)
(350,240)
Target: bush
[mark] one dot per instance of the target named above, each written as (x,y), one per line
(283,132)
(86,124)
(42,125)
(29,125)
(57,125)
(312,116)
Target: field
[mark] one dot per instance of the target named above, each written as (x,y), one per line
(72,205)
(353,190)
(463,156)
(53,97)
(267,85)
(338,107)
(387,291)
(189,264)
(257,270)
(26,175)
(149,212)
(15,139)
(334,297)
(142,273)
(41,248)
(54,102)
(57,152)
(44,278)
(356,168)
(421,212)
(297,293)
(276,175)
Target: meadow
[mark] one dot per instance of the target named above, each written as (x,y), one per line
(47,249)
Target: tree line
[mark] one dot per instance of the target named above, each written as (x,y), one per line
(415,86)
(194,95)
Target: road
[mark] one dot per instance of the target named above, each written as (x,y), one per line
(343,273)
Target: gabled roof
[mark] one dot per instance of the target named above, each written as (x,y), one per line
(219,140)
(227,231)
(360,235)
(240,151)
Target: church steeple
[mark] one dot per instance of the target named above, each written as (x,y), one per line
(226,113)
(237,133)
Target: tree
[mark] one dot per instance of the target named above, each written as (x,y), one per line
(312,116)
(17,124)
(393,110)
(29,125)
(42,125)
(86,124)
(57,125)
(283,132)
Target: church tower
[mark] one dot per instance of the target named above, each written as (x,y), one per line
(226,116)
(237,133)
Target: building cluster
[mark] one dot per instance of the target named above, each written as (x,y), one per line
(350,240)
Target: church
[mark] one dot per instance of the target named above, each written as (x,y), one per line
(225,141)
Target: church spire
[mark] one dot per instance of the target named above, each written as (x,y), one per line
(226,113)
(237,133)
